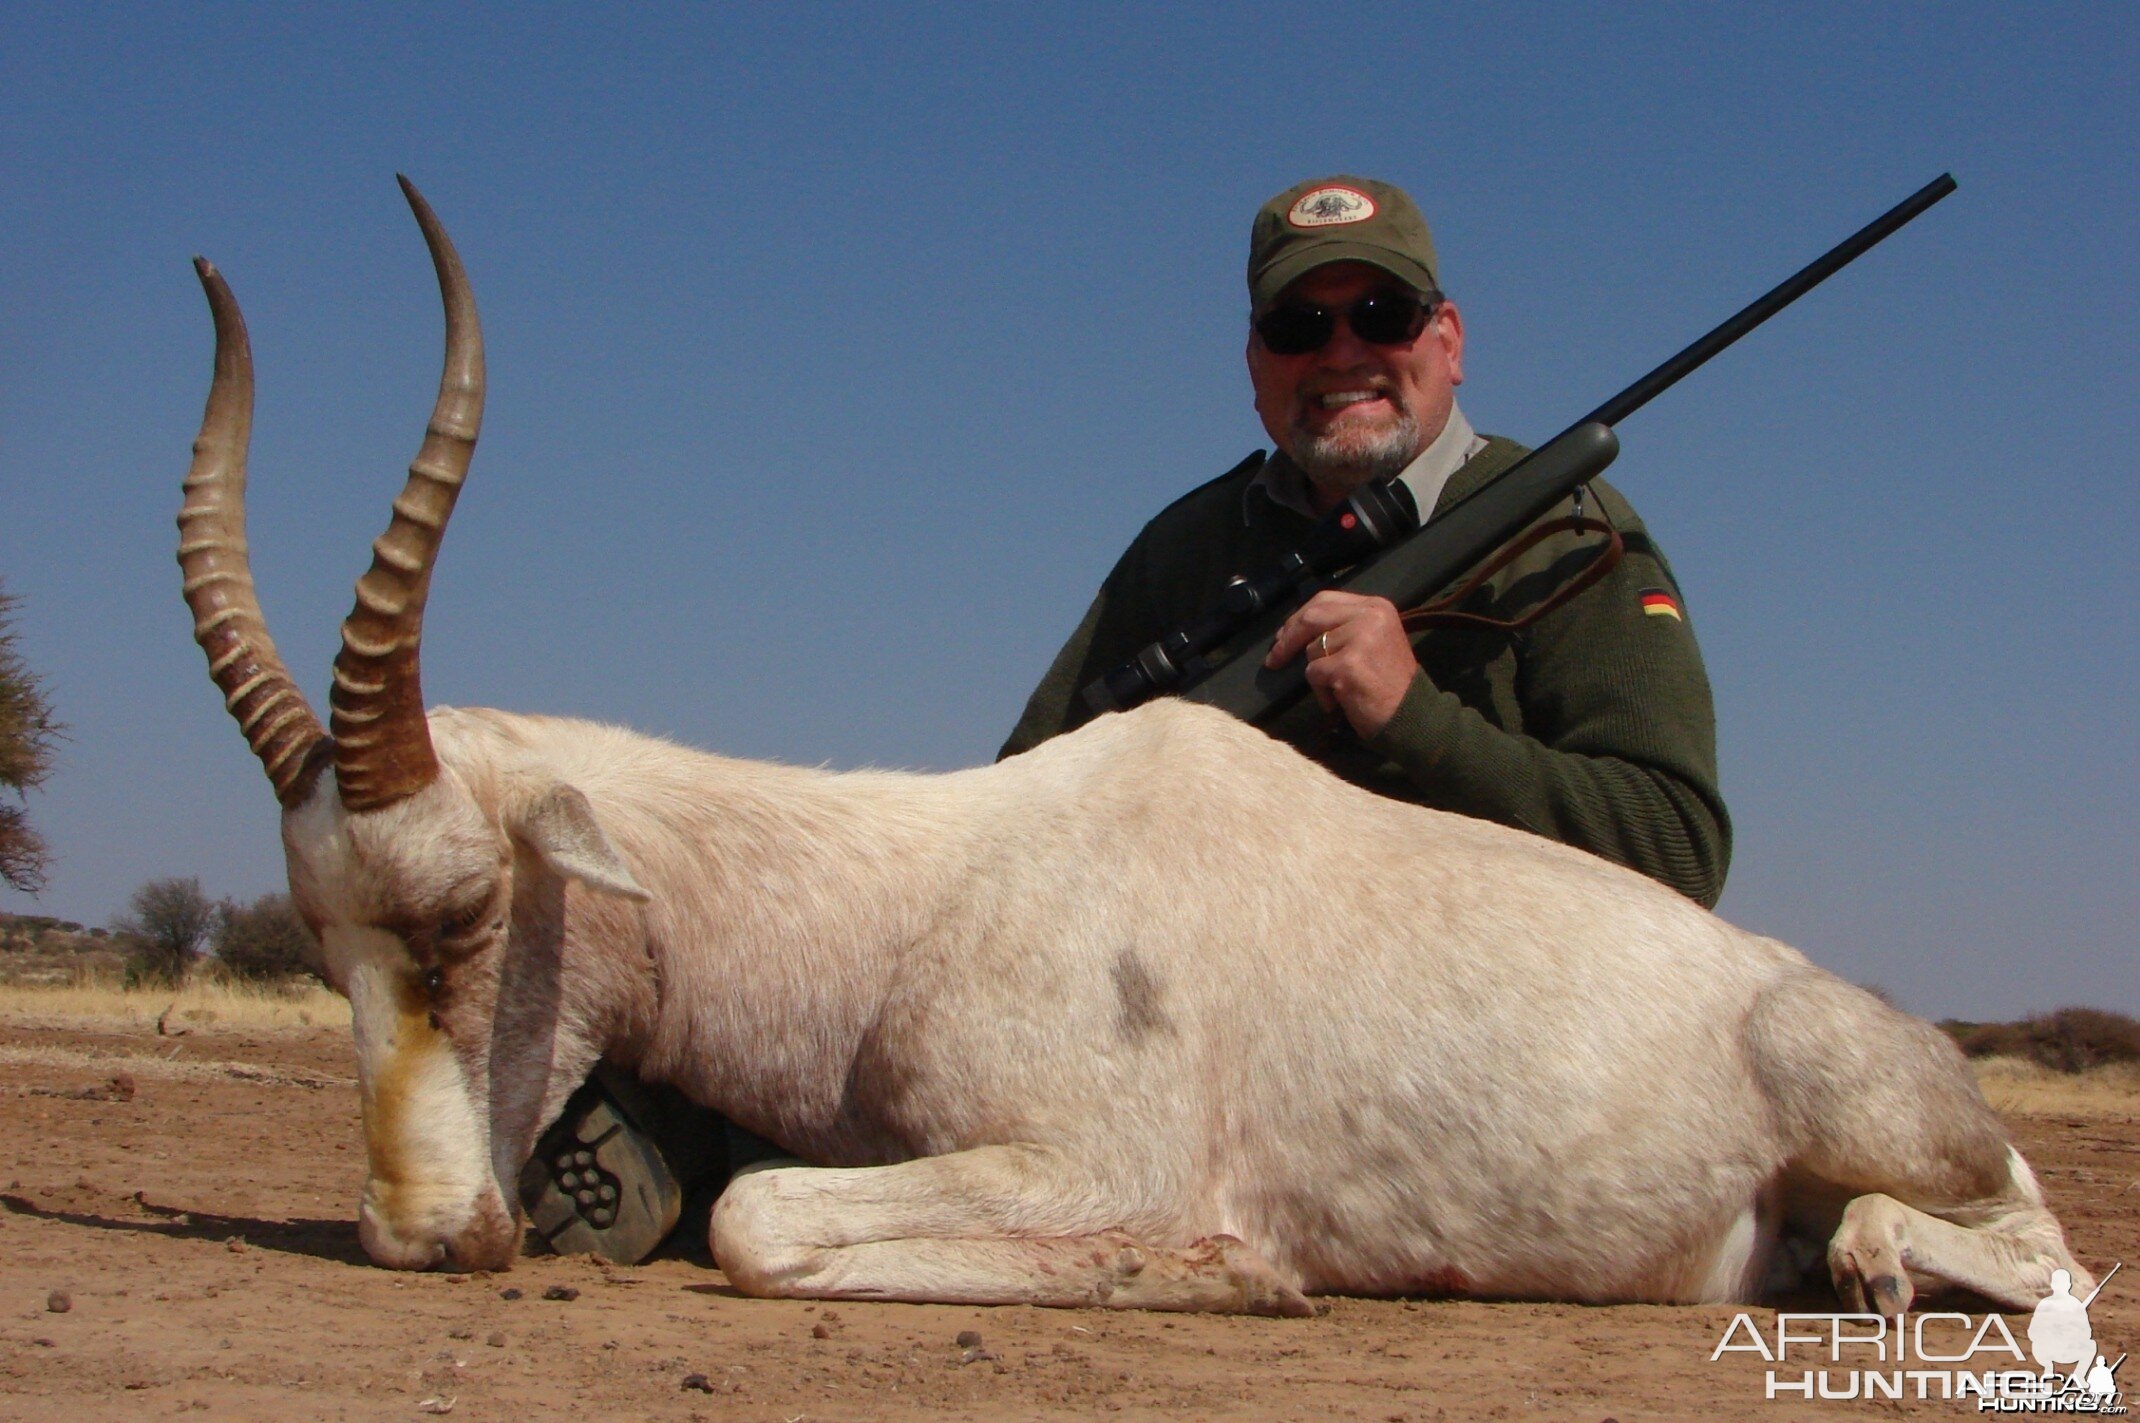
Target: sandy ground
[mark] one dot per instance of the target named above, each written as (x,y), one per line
(189,1249)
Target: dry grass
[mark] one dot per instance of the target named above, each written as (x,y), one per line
(2029,1089)
(120,1065)
(204,1007)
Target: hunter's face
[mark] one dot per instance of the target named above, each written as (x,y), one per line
(1355,410)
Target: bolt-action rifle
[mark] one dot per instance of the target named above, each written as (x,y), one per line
(1377,534)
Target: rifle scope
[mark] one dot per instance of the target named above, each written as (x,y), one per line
(1375,516)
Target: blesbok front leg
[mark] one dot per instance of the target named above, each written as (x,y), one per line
(995,1225)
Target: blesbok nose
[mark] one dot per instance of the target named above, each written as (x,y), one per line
(485,1237)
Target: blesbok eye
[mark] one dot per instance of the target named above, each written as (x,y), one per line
(434,980)
(464,922)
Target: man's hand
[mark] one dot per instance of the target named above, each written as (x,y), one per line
(1359,659)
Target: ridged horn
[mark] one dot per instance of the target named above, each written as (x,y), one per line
(382,745)
(227,623)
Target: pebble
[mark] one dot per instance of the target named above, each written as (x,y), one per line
(59,1302)
(565,1293)
(495,1340)
(820,1331)
(696,1383)
(509,1293)
(969,1339)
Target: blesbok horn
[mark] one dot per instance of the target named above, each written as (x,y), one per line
(278,723)
(382,744)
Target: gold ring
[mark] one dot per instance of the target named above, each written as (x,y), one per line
(1322,645)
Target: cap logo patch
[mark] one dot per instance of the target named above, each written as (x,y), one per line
(1658,603)
(1331,207)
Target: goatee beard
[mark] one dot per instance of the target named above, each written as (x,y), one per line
(1344,460)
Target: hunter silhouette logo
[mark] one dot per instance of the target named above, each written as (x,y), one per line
(1331,207)
(1942,1354)
(2059,1335)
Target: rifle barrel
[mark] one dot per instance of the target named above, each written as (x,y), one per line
(1643,391)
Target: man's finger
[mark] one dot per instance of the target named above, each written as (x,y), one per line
(1326,612)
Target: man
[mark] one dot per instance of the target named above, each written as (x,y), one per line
(1590,722)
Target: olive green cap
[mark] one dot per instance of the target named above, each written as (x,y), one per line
(1340,219)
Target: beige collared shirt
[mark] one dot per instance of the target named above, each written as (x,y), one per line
(1284,483)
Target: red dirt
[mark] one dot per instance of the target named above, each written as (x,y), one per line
(201,1233)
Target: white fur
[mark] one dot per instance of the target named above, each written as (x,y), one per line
(1205,989)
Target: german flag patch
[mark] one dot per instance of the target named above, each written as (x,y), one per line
(1658,603)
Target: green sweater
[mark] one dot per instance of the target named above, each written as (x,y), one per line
(1593,726)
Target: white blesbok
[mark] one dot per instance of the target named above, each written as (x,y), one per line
(1159,1014)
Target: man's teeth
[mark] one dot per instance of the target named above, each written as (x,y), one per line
(1339,399)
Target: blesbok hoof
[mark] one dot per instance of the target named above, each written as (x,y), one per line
(1262,1290)
(1888,1294)
(597,1185)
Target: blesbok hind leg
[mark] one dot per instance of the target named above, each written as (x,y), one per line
(1880,1110)
(994,1225)
(1885,1253)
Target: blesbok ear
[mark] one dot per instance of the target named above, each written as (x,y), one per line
(559,825)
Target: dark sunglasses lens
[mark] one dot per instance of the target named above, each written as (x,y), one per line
(1387,318)
(1295,330)
(1381,319)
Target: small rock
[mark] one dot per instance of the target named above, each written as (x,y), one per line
(43,1343)
(974,1356)
(235,1245)
(435,1405)
(495,1340)
(509,1293)
(59,1302)
(696,1383)
(969,1339)
(832,1316)
(562,1293)
(461,1333)
(820,1331)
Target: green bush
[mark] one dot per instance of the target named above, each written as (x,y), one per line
(265,941)
(2065,1040)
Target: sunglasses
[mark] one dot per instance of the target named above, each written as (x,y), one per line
(1384,318)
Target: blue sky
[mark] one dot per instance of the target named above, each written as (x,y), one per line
(836,351)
